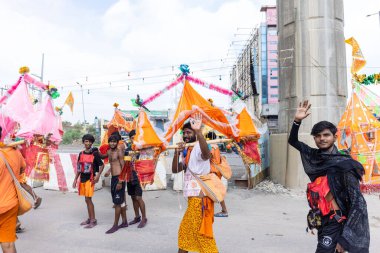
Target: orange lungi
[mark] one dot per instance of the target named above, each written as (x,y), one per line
(8,225)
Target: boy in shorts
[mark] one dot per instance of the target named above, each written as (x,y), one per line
(116,160)
(89,168)
(135,191)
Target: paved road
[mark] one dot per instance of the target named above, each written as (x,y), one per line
(258,222)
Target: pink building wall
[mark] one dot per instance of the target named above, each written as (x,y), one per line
(272,55)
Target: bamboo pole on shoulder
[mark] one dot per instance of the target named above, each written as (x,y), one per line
(208,142)
(15,143)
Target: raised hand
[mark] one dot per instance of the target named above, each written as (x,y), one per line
(302,111)
(196,121)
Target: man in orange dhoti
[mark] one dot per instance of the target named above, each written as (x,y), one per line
(8,198)
(195,232)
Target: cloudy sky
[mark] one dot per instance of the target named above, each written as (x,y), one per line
(129,47)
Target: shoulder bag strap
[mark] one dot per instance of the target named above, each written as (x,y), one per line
(217,166)
(202,184)
(17,184)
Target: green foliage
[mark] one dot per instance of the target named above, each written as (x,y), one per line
(71,135)
(66,125)
(76,131)
(78,126)
(91,130)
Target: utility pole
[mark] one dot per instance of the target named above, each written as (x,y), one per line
(41,77)
(84,115)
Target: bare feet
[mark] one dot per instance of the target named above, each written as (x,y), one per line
(37,203)
(135,220)
(86,222)
(123,225)
(142,223)
(113,229)
(92,224)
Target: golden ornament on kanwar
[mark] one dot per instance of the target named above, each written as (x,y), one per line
(358,61)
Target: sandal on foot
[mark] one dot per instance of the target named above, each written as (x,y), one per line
(221,214)
(142,223)
(37,203)
(112,230)
(135,220)
(86,222)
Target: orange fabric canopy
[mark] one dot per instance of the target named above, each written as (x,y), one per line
(146,136)
(118,122)
(191,102)
(358,117)
(246,126)
(364,129)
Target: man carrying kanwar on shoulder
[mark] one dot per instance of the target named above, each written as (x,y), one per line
(195,232)
(8,196)
(338,208)
(134,188)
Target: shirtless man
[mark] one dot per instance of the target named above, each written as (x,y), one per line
(116,160)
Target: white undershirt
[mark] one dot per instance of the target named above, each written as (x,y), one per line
(198,166)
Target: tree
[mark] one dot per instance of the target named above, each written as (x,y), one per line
(76,131)
(91,130)
(71,135)
(66,125)
(72,132)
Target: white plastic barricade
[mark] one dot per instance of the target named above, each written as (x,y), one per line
(159,177)
(62,173)
(34,183)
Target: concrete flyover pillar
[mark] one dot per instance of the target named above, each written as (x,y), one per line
(312,65)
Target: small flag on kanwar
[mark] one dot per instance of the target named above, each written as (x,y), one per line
(358,61)
(70,101)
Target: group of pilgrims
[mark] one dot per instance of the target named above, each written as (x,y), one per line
(338,210)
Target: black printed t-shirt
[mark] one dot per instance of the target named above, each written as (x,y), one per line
(97,162)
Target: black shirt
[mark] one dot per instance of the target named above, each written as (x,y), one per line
(343,175)
(97,162)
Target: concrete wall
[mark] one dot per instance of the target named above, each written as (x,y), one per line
(286,166)
(312,61)
(312,66)
(278,155)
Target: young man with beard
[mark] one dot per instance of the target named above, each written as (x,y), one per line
(195,232)
(89,168)
(116,160)
(338,209)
